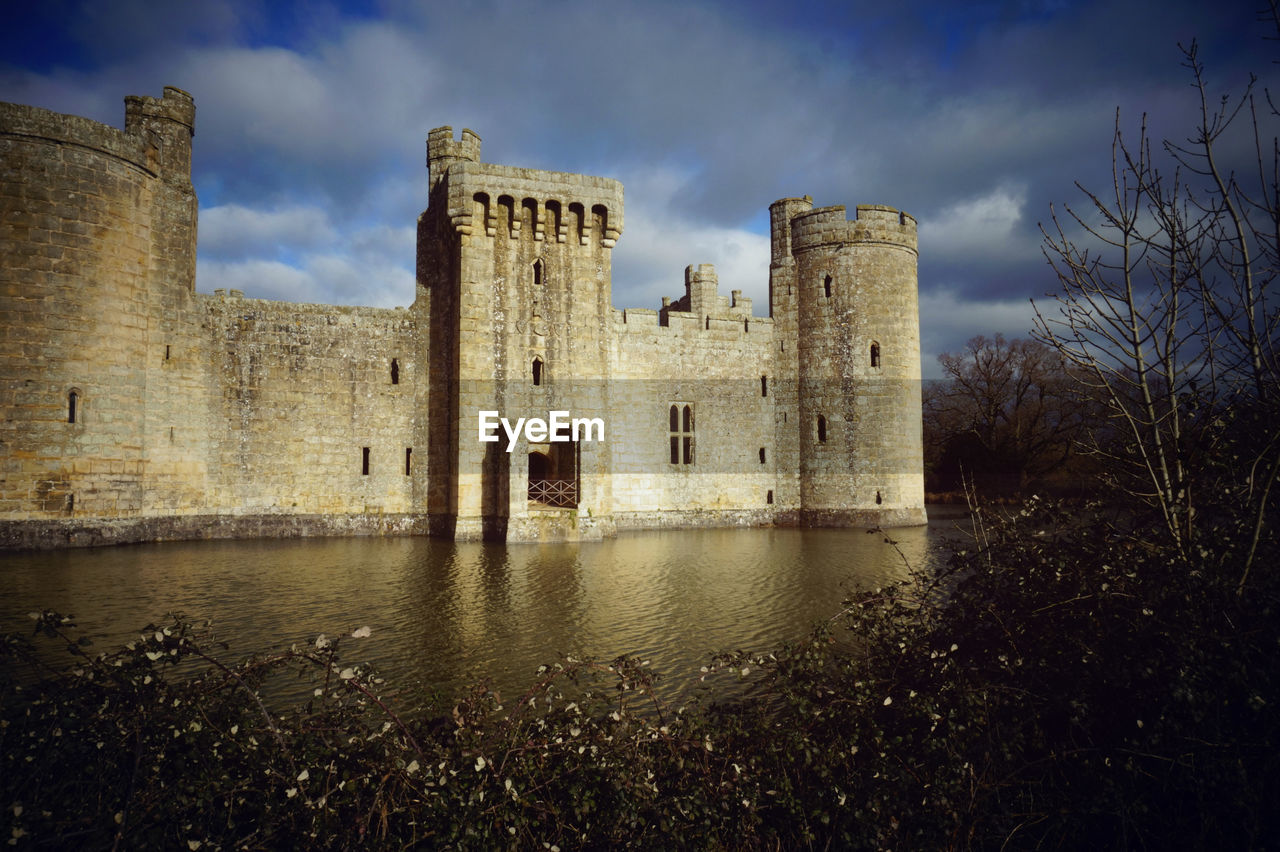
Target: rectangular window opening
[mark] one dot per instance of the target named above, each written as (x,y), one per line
(408,461)
(364,463)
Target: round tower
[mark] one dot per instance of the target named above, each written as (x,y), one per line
(97,237)
(858,342)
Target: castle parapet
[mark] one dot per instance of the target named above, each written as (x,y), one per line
(873,225)
(490,200)
(132,145)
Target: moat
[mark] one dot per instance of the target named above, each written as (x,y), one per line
(445,614)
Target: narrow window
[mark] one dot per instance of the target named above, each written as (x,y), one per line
(875,354)
(364,463)
(166,352)
(688,435)
(762,455)
(764,385)
(826,286)
(680,428)
(537,273)
(822,429)
(768,498)
(72,399)
(674,428)
(537,371)
(395,372)
(408,461)
(878,500)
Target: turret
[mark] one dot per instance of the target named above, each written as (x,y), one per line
(443,151)
(781,212)
(700,286)
(168,124)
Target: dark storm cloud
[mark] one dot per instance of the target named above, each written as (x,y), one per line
(311,120)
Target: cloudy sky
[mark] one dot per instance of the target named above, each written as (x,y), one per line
(973,117)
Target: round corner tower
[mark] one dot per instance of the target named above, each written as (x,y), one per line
(858,352)
(97,263)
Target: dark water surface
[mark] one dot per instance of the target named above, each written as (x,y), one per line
(444,614)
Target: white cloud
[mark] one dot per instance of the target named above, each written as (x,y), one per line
(657,250)
(948,320)
(982,227)
(259,279)
(658,243)
(234,230)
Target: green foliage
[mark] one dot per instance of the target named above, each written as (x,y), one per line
(1062,685)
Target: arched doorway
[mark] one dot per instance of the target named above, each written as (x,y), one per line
(553,475)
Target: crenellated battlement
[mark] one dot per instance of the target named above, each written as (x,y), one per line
(873,224)
(687,324)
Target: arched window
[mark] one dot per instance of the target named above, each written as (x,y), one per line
(826,286)
(875,354)
(537,272)
(395,372)
(72,399)
(680,426)
(537,371)
(822,429)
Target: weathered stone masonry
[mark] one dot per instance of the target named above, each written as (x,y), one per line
(134,408)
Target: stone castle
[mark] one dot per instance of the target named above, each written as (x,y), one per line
(133,408)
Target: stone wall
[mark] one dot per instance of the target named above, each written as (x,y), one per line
(717,362)
(312,408)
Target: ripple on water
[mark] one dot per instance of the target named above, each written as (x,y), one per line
(445,614)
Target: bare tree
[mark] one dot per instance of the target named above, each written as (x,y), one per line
(1164,315)
(1007,411)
